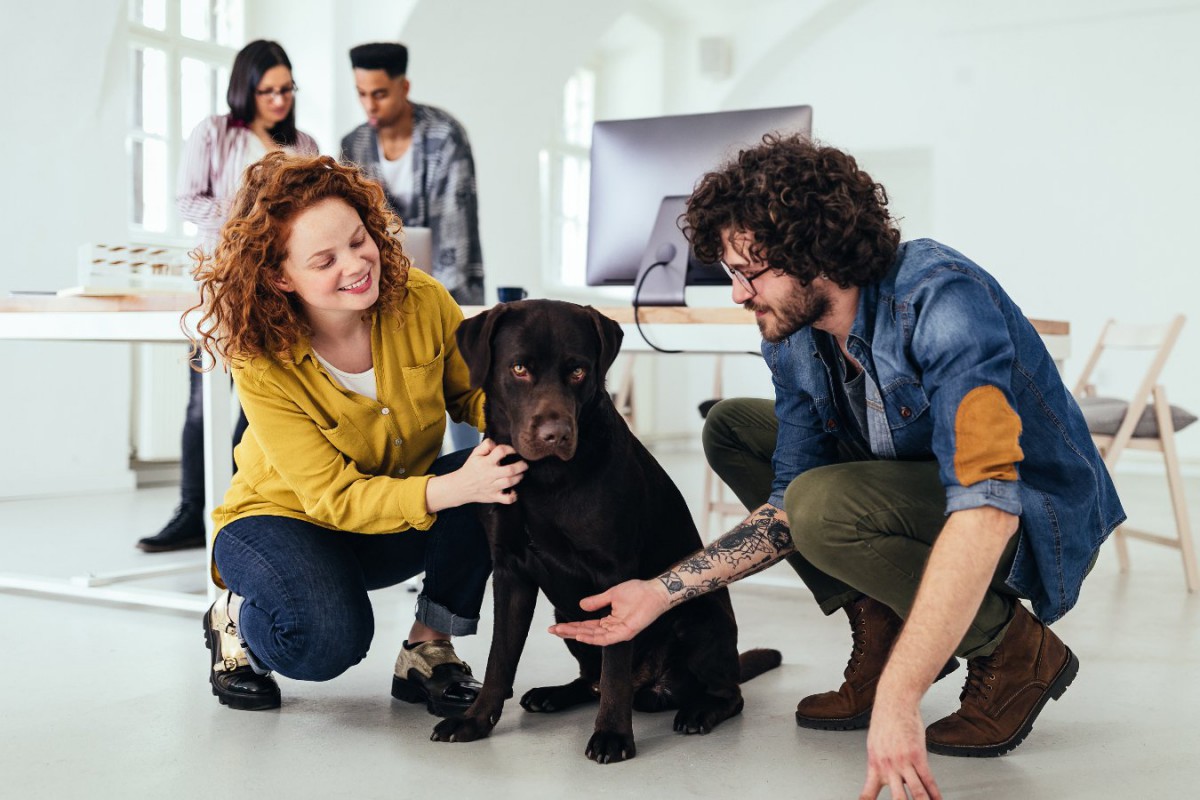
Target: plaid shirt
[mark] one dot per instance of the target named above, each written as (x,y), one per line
(443,195)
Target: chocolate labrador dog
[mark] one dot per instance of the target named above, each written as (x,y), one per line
(593,510)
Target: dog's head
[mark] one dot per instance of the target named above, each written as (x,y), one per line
(542,364)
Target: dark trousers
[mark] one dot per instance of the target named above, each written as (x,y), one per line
(191,459)
(862,527)
(306,613)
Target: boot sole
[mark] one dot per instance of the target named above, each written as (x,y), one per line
(182,544)
(1056,689)
(240,702)
(860,720)
(411,692)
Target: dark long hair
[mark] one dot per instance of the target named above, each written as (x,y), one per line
(251,63)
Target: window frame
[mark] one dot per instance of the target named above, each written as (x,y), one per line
(177,47)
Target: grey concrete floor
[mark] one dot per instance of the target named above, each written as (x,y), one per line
(108,701)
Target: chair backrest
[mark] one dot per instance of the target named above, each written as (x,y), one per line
(1159,338)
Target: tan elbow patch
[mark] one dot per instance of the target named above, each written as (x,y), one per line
(987,435)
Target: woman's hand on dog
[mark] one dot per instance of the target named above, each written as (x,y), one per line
(634,605)
(482,479)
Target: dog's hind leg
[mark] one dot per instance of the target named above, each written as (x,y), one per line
(584,689)
(558,698)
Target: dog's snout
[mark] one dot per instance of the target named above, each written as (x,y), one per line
(553,431)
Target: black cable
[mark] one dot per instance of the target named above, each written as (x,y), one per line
(636,317)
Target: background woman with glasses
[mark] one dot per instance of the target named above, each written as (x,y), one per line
(261,118)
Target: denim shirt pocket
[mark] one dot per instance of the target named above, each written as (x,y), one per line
(423,385)
(905,402)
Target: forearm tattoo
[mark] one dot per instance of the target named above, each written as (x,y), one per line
(751,547)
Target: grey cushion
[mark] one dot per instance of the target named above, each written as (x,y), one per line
(1104,415)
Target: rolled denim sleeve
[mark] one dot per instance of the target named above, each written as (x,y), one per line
(962,345)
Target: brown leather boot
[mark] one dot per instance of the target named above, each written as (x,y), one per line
(874,627)
(1005,691)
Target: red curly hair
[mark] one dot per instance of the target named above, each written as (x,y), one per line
(245,313)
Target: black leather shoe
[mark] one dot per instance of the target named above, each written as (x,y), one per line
(184,530)
(234,681)
(431,673)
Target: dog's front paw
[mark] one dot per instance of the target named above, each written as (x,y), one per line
(463,729)
(609,747)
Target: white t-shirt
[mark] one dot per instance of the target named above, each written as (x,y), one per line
(361,382)
(398,175)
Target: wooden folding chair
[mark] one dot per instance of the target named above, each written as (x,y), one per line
(1146,422)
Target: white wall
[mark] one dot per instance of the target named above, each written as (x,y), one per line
(64,88)
(1051,142)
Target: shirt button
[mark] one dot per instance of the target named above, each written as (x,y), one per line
(385,411)
(905,412)
(399,470)
(398,441)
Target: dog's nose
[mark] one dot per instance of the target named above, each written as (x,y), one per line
(553,432)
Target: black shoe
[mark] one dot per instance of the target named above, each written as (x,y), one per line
(234,681)
(431,673)
(184,530)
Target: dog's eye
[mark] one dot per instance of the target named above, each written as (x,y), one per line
(520,370)
(578,374)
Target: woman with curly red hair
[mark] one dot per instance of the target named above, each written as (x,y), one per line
(345,363)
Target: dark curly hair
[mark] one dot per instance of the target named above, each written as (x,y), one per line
(245,313)
(811,210)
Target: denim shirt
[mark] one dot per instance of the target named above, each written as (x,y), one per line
(959,375)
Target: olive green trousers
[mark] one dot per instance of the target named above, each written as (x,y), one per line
(859,527)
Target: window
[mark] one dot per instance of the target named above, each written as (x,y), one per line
(565,180)
(180,52)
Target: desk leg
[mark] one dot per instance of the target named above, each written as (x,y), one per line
(218,451)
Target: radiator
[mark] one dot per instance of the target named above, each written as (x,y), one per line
(160,395)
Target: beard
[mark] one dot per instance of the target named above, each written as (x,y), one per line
(800,310)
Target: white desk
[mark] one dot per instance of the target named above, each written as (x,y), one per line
(157,319)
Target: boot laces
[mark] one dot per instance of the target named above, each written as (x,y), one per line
(858,636)
(979,679)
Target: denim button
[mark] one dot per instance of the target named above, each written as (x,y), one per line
(905,412)
(831,424)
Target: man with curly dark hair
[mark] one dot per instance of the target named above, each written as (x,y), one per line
(922,467)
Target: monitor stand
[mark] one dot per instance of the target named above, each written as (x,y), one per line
(662,275)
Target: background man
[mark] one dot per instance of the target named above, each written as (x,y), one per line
(922,461)
(423,159)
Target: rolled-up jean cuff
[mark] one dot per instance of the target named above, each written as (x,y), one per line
(443,619)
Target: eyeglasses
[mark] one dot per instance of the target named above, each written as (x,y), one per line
(285,92)
(747,281)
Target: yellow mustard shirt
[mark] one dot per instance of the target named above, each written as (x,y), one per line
(319,452)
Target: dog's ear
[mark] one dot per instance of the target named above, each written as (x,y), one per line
(474,336)
(610,339)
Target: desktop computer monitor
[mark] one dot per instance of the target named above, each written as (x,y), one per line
(642,171)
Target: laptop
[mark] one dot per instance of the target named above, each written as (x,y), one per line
(418,246)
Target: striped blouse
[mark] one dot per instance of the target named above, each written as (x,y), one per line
(210,171)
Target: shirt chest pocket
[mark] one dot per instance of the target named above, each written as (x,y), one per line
(349,439)
(423,385)
(905,404)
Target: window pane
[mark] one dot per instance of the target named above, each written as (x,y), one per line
(150,184)
(149,104)
(197,94)
(230,27)
(196,19)
(151,13)
(138,207)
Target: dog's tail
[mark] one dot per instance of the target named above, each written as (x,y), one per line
(755,662)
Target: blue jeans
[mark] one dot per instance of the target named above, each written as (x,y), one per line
(306,614)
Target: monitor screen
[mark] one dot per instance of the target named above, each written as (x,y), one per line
(642,169)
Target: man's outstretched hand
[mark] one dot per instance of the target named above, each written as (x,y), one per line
(634,605)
